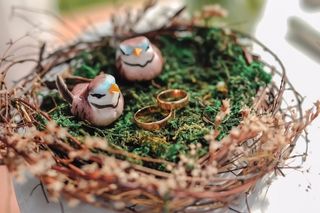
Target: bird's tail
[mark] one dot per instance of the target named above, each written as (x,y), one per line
(63,89)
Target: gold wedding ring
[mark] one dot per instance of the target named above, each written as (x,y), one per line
(172,99)
(168,101)
(141,117)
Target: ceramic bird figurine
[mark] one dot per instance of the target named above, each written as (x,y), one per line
(138,60)
(100,101)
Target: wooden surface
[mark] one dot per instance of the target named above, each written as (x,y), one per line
(8,202)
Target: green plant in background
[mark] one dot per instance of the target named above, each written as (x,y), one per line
(197,63)
(70,5)
(242,14)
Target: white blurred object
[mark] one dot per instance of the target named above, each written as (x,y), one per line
(17,21)
(311,4)
(304,37)
(153,19)
(13,26)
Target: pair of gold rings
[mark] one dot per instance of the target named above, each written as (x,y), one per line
(155,117)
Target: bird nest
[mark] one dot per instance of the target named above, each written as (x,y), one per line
(237,128)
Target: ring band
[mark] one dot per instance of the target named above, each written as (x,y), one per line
(149,110)
(172,99)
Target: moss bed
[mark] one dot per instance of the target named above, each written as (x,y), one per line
(197,62)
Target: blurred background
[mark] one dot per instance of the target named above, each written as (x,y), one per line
(35,16)
(63,20)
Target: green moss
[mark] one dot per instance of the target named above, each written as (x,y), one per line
(194,62)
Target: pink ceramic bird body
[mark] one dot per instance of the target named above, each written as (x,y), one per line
(138,59)
(100,102)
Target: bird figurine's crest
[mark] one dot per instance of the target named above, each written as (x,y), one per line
(137,59)
(100,101)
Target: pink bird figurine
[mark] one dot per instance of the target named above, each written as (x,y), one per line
(138,60)
(100,102)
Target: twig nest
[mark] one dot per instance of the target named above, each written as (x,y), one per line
(138,59)
(100,102)
(193,165)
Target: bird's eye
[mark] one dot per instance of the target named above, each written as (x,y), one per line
(122,52)
(126,50)
(96,95)
(147,47)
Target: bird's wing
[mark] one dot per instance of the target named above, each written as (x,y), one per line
(119,66)
(158,52)
(63,89)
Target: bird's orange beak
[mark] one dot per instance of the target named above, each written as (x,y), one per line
(114,89)
(137,51)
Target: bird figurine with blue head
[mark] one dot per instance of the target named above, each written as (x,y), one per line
(137,59)
(100,101)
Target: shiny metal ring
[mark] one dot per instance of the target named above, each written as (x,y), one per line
(149,111)
(172,99)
